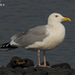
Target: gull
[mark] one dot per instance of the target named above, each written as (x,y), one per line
(40,38)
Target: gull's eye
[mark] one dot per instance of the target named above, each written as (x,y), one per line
(56,15)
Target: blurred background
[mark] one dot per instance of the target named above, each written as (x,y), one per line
(20,15)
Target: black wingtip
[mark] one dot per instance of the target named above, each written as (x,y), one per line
(7,46)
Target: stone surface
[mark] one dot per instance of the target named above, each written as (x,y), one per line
(19,66)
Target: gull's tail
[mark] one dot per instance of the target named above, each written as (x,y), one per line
(7,46)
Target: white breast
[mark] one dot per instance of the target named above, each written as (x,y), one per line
(54,38)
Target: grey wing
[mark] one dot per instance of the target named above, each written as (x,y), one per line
(31,36)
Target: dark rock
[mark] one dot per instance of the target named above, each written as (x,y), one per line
(47,63)
(30,69)
(47,71)
(19,62)
(36,71)
(1,66)
(28,62)
(63,65)
(19,66)
(6,71)
(12,63)
(19,71)
(60,72)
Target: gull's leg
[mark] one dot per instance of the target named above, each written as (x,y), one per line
(44,56)
(38,57)
(44,59)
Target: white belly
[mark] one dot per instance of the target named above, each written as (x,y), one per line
(53,39)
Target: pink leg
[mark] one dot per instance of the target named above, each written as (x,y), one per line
(44,60)
(38,57)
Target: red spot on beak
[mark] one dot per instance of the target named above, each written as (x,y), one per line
(68,20)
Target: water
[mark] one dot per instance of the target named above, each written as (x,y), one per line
(19,15)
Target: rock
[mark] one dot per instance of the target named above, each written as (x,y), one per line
(47,71)
(1,66)
(12,63)
(47,63)
(62,65)
(19,71)
(19,62)
(19,66)
(6,71)
(28,62)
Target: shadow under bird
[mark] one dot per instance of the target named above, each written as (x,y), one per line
(40,38)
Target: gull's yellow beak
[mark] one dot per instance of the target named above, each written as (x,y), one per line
(66,19)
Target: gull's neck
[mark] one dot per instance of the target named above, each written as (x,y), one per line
(56,27)
(55,24)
